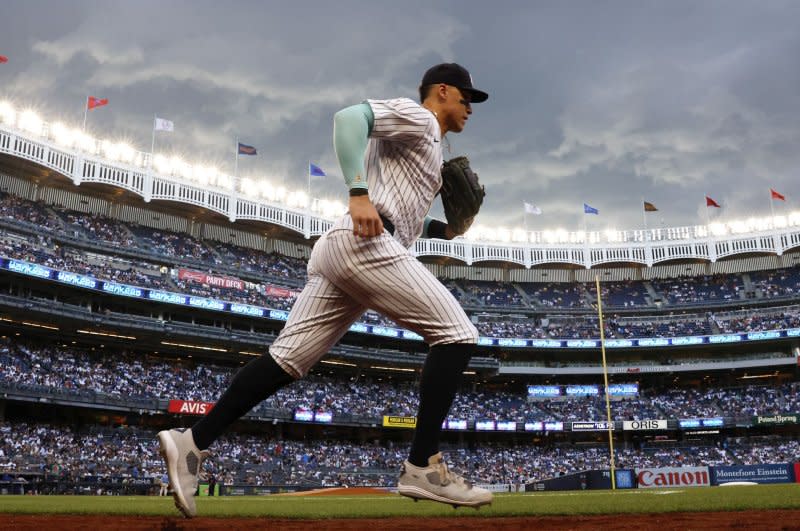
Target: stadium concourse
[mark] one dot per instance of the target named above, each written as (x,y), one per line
(120,318)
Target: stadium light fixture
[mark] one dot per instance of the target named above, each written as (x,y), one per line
(204,175)
(297,199)
(503,234)
(7,113)
(162,164)
(718,229)
(343,363)
(198,347)
(780,222)
(398,369)
(329,208)
(247,187)
(519,235)
(104,334)
(85,142)
(40,325)
(31,122)
(224,181)
(181,168)
(125,152)
(614,235)
(107,148)
(63,135)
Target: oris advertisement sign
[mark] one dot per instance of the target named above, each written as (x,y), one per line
(687,476)
(644,425)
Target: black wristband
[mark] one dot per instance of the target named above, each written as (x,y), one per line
(437,229)
(354,192)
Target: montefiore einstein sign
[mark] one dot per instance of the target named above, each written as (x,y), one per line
(687,476)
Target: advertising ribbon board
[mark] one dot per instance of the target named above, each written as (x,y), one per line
(189,407)
(769,420)
(399,422)
(634,425)
(687,476)
(781,473)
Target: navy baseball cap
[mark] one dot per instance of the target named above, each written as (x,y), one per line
(454,75)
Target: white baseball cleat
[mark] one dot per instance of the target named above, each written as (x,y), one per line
(435,482)
(183,460)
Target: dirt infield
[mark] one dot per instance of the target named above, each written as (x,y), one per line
(771,520)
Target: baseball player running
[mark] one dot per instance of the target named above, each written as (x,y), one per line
(390,153)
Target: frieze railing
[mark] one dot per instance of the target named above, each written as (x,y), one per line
(83,159)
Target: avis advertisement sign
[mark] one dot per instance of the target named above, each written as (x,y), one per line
(686,476)
(189,407)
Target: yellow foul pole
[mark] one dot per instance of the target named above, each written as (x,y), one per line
(605,379)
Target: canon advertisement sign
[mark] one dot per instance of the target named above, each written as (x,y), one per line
(687,476)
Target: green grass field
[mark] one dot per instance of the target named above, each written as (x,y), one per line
(529,504)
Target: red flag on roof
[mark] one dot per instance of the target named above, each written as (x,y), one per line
(711,202)
(93,102)
(775,195)
(3,59)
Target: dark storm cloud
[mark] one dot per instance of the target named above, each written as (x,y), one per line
(605,103)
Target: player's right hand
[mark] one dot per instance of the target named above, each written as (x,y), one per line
(366,220)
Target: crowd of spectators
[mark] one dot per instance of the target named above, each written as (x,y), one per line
(73,455)
(556,295)
(172,245)
(14,208)
(96,227)
(756,322)
(699,290)
(778,283)
(486,293)
(657,326)
(134,377)
(627,294)
(630,294)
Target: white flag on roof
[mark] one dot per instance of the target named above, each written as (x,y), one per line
(532,209)
(164,125)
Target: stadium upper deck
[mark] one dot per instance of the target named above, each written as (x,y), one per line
(56,155)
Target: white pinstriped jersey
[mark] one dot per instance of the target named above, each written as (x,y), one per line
(348,274)
(403,165)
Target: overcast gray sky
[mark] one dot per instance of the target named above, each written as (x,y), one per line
(598,102)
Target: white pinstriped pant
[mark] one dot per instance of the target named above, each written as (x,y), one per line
(348,274)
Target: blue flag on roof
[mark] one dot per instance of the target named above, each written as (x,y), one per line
(590,210)
(315,170)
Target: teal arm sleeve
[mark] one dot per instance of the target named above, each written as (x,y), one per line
(351,129)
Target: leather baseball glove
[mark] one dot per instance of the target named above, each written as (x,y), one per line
(462,194)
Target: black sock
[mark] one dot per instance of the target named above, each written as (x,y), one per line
(441,376)
(253,383)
